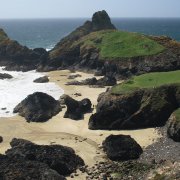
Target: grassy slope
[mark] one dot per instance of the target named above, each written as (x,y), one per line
(120,44)
(177,114)
(149,80)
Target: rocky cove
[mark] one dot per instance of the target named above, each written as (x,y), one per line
(92,132)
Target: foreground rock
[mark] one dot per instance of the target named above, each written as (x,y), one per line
(1,139)
(43,79)
(59,158)
(76,109)
(18,168)
(139,109)
(121,147)
(5,76)
(105,81)
(38,107)
(173,130)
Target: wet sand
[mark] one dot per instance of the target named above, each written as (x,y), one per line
(75,134)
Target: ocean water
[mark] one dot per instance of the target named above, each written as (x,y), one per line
(47,32)
(13,91)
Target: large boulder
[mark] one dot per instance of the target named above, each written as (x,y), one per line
(173,130)
(5,76)
(43,79)
(38,107)
(76,109)
(138,109)
(121,147)
(59,158)
(18,168)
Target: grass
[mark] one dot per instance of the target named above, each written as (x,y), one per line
(120,44)
(149,80)
(177,114)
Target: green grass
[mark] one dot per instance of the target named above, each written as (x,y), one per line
(120,44)
(177,114)
(149,80)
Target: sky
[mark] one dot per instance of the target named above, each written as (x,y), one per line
(85,8)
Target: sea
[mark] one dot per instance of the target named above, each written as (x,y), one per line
(45,33)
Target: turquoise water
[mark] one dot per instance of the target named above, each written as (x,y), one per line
(47,32)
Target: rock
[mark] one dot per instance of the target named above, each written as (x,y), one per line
(62,159)
(5,76)
(121,147)
(43,79)
(78,94)
(76,109)
(12,168)
(3,108)
(38,107)
(1,139)
(74,76)
(140,109)
(107,81)
(173,130)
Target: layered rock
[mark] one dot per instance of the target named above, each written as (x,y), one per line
(121,147)
(43,79)
(59,158)
(76,109)
(38,107)
(17,57)
(173,130)
(139,109)
(5,76)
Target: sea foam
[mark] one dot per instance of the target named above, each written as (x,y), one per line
(13,91)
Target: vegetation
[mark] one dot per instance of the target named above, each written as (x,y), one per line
(149,80)
(177,114)
(120,44)
(3,35)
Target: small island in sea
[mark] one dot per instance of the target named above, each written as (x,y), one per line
(118,116)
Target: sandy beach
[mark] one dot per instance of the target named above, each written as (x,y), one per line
(75,134)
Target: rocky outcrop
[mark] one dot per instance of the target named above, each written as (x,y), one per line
(18,168)
(105,81)
(139,109)
(173,130)
(62,56)
(121,147)
(74,76)
(1,139)
(38,107)
(17,57)
(5,76)
(76,109)
(59,158)
(43,79)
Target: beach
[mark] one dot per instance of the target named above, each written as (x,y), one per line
(75,134)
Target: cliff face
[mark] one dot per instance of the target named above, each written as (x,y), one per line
(17,57)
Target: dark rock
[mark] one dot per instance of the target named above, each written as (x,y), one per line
(38,107)
(1,139)
(5,76)
(107,81)
(12,168)
(59,158)
(3,108)
(140,109)
(78,94)
(173,130)
(121,147)
(74,76)
(43,79)
(76,109)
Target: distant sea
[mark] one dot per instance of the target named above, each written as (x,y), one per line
(46,33)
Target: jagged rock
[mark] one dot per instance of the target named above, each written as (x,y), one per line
(17,57)
(173,130)
(5,76)
(76,109)
(121,147)
(59,158)
(38,107)
(140,109)
(43,79)
(1,139)
(18,168)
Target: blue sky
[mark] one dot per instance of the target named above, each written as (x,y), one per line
(85,8)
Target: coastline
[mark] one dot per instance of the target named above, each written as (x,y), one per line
(75,134)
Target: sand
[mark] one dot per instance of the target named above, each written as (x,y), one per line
(75,134)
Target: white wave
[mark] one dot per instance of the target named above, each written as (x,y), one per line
(13,91)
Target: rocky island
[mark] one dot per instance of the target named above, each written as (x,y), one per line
(129,130)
